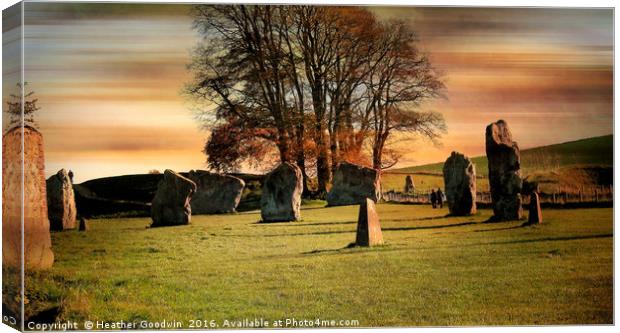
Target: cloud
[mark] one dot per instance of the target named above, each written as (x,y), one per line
(109,76)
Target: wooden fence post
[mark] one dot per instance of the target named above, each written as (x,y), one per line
(596,194)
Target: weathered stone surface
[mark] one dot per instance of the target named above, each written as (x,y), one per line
(535,213)
(61,202)
(353,184)
(171,204)
(459,176)
(368,226)
(83,224)
(37,241)
(504,161)
(281,194)
(215,193)
(409,185)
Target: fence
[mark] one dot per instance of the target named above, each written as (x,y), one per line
(563,195)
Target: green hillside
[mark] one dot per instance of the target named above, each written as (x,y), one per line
(596,151)
(572,164)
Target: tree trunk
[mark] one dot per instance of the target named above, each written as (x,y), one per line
(284,145)
(301,163)
(323,171)
(334,147)
(377,150)
(301,158)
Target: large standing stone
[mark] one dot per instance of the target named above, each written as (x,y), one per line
(215,193)
(353,184)
(37,244)
(409,185)
(281,194)
(504,176)
(171,205)
(61,202)
(459,176)
(535,213)
(368,226)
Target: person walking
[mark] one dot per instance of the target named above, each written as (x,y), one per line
(434,198)
(440,197)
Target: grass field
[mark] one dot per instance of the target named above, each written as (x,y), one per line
(592,151)
(423,182)
(433,270)
(575,163)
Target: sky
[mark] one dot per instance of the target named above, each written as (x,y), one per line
(109,79)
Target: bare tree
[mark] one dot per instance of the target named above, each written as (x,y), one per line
(239,68)
(400,80)
(313,83)
(15,110)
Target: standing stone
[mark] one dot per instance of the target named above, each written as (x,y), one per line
(353,184)
(215,193)
(459,176)
(171,205)
(281,194)
(504,176)
(368,226)
(37,244)
(409,186)
(61,202)
(528,187)
(535,214)
(83,224)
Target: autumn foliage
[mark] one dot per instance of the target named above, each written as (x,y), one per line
(314,85)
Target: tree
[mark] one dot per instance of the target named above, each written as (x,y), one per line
(239,68)
(231,144)
(357,31)
(14,107)
(400,79)
(313,83)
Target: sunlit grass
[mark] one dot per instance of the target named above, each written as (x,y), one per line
(433,270)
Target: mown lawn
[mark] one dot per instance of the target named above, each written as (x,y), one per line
(433,270)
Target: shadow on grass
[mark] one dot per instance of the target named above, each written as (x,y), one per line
(428,218)
(295,224)
(351,248)
(549,239)
(317,251)
(349,251)
(500,229)
(330,232)
(48,316)
(317,207)
(430,227)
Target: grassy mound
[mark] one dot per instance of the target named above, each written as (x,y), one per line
(578,163)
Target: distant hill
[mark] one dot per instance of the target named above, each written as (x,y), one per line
(597,151)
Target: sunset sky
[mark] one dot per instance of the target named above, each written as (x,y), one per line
(109,80)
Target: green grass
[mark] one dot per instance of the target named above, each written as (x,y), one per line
(570,164)
(423,182)
(593,151)
(433,270)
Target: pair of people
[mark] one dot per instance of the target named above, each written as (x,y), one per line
(437,198)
